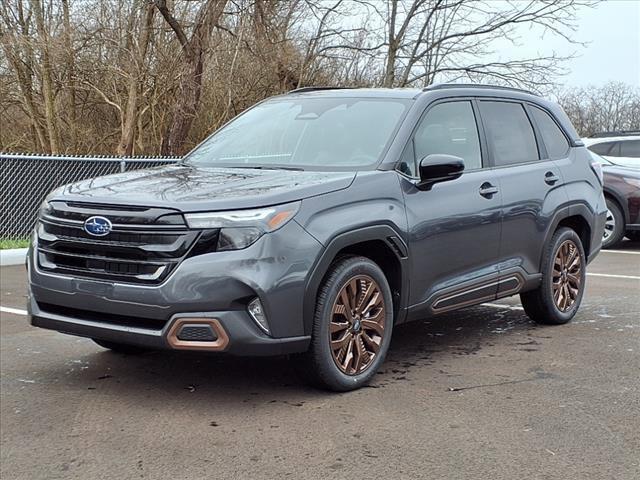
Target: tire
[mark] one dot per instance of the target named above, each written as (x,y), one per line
(352,280)
(120,347)
(634,235)
(614,226)
(549,304)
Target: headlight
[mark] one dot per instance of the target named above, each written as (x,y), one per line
(632,181)
(241,228)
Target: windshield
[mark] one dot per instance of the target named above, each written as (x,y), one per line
(332,133)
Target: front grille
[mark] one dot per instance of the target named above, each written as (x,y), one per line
(144,246)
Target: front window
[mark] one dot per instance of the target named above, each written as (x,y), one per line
(314,133)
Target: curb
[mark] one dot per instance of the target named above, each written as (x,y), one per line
(13,256)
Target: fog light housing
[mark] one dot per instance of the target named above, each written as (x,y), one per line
(257,313)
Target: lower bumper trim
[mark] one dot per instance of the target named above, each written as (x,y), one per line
(218,345)
(236,333)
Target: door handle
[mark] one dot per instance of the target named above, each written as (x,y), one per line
(487,190)
(551,178)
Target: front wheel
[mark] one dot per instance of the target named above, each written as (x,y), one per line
(558,297)
(352,325)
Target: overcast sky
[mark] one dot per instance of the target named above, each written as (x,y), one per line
(613,52)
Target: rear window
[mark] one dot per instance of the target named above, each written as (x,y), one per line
(603,148)
(630,148)
(553,138)
(510,133)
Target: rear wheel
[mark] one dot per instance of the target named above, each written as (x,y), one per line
(120,347)
(352,325)
(614,225)
(558,297)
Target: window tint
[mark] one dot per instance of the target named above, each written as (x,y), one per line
(630,148)
(553,138)
(509,132)
(601,148)
(449,128)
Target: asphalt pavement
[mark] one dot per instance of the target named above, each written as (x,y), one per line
(481,393)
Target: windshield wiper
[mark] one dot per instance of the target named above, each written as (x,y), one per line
(272,167)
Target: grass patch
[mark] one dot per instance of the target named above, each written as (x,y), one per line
(7,243)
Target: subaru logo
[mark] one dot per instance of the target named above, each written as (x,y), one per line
(98,226)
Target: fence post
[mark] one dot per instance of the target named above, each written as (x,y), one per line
(123,166)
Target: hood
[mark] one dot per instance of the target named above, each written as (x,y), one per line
(190,188)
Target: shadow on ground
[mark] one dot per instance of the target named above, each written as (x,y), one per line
(415,345)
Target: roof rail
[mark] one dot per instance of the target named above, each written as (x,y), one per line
(442,86)
(312,89)
(616,133)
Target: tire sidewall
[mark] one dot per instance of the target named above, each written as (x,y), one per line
(330,372)
(560,237)
(618,232)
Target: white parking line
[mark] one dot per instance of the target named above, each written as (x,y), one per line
(15,311)
(608,275)
(619,251)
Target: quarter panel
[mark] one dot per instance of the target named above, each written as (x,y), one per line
(585,193)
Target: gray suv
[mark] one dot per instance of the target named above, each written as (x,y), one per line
(317,221)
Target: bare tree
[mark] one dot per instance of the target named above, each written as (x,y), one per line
(454,39)
(46,73)
(192,57)
(611,107)
(144,76)
(16,36)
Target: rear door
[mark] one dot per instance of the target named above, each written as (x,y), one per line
(531,184)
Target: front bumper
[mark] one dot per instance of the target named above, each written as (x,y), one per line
(211,286)
(243,338)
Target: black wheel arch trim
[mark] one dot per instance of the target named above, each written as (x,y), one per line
(624,206)
(384,233)
(572,210)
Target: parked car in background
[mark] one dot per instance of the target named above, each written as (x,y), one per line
(620,148)
(622,194)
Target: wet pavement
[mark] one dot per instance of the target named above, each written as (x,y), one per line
(479,393)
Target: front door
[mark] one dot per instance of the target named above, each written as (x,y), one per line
(454,228)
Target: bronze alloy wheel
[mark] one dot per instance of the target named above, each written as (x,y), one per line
(357,324)
(567,275)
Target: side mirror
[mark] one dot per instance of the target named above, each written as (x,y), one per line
(437,168)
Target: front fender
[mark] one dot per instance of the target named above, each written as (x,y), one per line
(317,273)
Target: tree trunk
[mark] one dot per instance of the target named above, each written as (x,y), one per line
(71,81)
(136,72)
(47,82)
(392,49)
(192,65)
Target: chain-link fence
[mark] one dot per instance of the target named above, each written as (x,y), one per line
(26,180)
